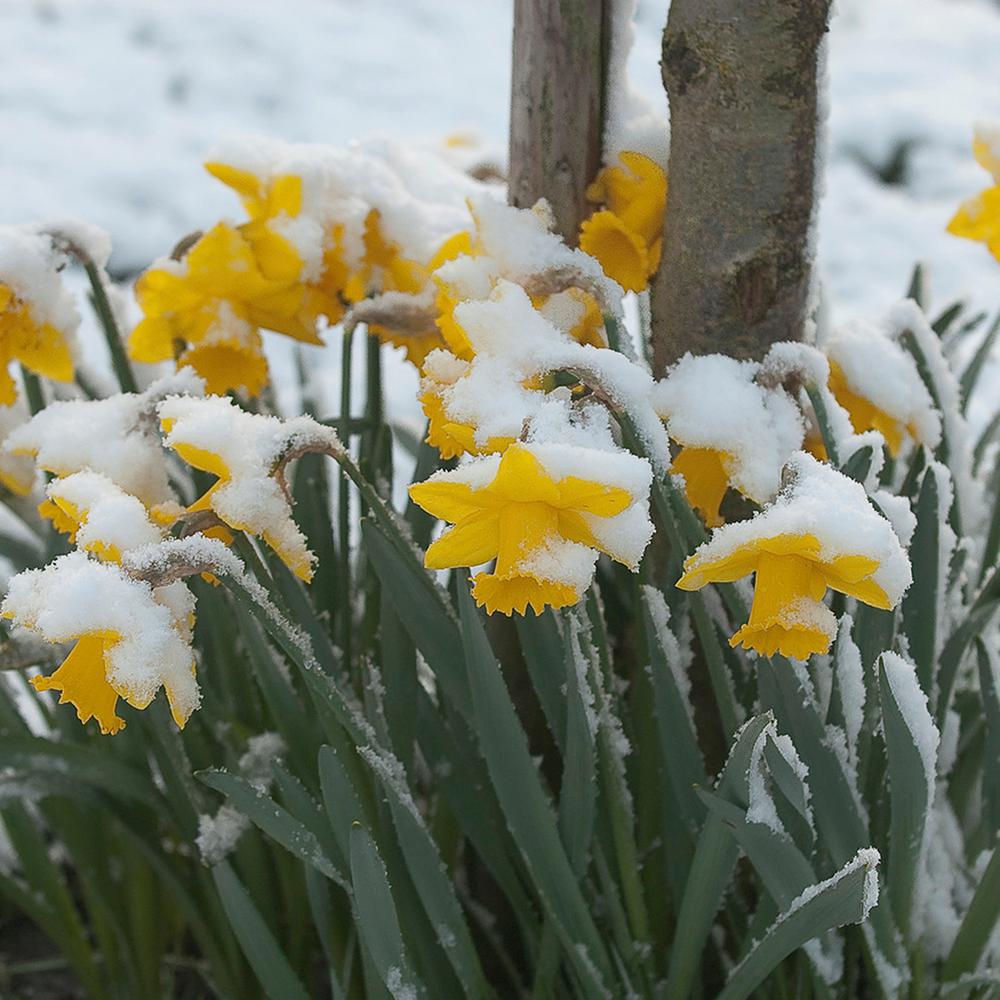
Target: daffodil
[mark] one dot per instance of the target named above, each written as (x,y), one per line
(732,431)
(820,534)
(98,516)
(224,274)
(242,451)
(978,218)
(626,236)
(544,529)
(38,319)
(130,640)
(877,382)
(230,356)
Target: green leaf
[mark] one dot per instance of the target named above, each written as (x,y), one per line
(340,799)
(970,376)
(525,805)
(377,922)
(978,923)
(424,612)
(430,879)
(255,938)
(920,605)
(276,822)
(990,692)
(843,899)
(711,870)
(542,646)
(910,786)
(682,762)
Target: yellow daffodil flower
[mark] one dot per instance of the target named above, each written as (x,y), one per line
(38,345)
(626,235)
(515,519)
(17,472)
(865,415)
(139,639)
(978,218)
(791,579)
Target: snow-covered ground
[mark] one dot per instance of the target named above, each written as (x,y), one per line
(109,107)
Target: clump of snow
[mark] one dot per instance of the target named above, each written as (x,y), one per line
(110,519)
(420,200)
(30,266)
(117,437)
(257,761)
(760,803)
(219,834)
(517,245)
(75,596)
(824,503)
(93,242)
(713,401)
(851,686)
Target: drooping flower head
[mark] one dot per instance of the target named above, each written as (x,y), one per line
(117,436)
(38,319)
(978,218)
(626,236)
(130,640)
(544,512)
(879,386)
(820,533)
(99,516)
(242,451)
(731,430)
(517,246)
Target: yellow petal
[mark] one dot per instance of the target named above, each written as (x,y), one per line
(445,500)
(522,478)
(517,593)
(620,251)
(705,480)
(82,681)
(592,497)
(228,364)
(474,540)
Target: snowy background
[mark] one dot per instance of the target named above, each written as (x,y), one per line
(109,107)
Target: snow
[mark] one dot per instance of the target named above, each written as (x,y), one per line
(714,402)
(75,596)
(219,834)
(30,266)
(760,806)
(17,472)
(116,436)
(244,449)
(877,368)
(109,517)
(851,686)
(676,660)
(912,703)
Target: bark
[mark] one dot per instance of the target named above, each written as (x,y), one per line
(557,82)
(742,82)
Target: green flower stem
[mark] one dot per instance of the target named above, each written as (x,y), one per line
(99,298)
(344,501)
(32,391)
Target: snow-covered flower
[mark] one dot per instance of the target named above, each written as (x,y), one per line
(117,436)
(820,533)
(731,430)
(626,236)
(99,516)
(978,218)
(517,246)
(243,450)
(878,384)
(38,319)
(131,640)
(542,523)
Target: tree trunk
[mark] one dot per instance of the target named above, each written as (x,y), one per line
(557,82)
(742,82)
